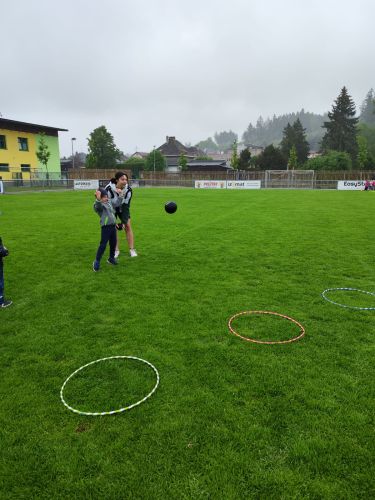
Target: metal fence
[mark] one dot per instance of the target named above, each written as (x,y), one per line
(268,181)
(20,185)
(85,173)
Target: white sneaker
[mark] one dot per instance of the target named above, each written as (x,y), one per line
(133,253)
(117,253)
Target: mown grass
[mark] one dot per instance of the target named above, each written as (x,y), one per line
(230,419)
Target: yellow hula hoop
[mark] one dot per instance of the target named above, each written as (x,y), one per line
(248,339)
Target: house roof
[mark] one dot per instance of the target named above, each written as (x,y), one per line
(208,165)
(139,154)
(29,127)
(195,151)
(252,146)
(173,147)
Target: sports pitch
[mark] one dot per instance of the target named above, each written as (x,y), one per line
(230,419)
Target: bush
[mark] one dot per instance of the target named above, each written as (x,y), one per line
(333,160)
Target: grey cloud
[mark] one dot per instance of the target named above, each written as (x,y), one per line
(149,69)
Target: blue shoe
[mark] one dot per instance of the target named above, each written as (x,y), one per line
(6,303)
(95,266)
(112,261)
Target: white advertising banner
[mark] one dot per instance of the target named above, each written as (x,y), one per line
(243,184)
(211,184)
(86,184)
(351,185)
(1,187)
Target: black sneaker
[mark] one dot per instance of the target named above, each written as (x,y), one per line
(6,303)
(112,261)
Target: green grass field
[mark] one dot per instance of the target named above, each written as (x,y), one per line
(230,419)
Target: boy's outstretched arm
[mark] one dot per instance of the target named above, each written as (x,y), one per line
(98,207)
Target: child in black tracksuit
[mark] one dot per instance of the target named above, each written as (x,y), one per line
(105,209)
(3,253)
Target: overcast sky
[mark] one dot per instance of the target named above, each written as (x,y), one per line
(188,68)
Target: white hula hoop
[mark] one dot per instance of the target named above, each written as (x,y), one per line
(112,412)
(344,305)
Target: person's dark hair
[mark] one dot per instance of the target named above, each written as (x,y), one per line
(103,192)
(120,174)
(113,180)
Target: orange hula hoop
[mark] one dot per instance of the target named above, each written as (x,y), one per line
(293,339)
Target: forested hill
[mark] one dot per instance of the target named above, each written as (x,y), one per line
(270,131)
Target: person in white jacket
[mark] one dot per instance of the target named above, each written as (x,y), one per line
(119,187)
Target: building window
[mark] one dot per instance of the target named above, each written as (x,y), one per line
(25,168)
(23,144)
(4,167)
(3,142)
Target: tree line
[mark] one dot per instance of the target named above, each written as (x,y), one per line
(269,131)
(344,141)
(348,141)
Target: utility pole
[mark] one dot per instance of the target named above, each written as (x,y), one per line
(73,139)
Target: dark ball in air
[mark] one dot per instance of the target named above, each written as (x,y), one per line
(170,207)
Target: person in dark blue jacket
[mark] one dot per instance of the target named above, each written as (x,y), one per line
(106,211)
(3,253)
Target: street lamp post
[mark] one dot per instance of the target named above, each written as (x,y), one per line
(73,139)
(154,159)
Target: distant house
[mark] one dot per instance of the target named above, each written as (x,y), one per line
(221,155)
(19,143)
(314,154)
(172,150)
(67,163)
(140,155)
(228,153)
(254,150)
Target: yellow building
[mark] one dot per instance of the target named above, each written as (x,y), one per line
(19,143)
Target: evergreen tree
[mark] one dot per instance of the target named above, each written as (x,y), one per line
(270,131)
(225,139)
(293,160)
(294,136)
(244,161)
(260,123)
(249,136)
(270,159)
(288,140)
(368,109)
(301,144)
(102,151)
(342,126)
